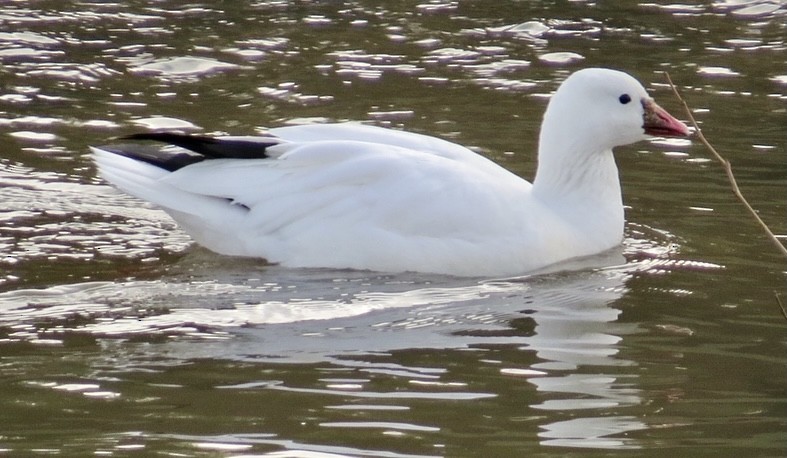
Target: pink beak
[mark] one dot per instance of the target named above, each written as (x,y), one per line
(659,123)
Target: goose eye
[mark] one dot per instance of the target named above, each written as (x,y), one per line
(624,99)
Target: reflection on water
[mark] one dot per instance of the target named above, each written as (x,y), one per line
(118,336)
(596,432)
(565,320)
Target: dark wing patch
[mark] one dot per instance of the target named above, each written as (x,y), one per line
(213,147)
(169,159)
(192,148)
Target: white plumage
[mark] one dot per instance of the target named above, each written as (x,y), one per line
(362,197)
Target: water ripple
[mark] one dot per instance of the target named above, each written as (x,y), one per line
(182,68)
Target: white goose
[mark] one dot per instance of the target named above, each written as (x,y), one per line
(361,197)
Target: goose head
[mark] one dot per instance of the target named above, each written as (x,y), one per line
(592,112)
(597,109)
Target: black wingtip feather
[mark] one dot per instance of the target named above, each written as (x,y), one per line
(192,148)
(167,160)
(210,147)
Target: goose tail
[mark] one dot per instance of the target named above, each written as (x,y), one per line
(205,217)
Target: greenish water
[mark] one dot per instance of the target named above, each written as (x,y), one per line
(119,337)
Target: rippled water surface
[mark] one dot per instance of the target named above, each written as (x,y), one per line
(119,337)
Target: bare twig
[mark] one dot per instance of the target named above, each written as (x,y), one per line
(781,305)
(728,169)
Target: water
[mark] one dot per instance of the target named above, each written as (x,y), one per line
(119,337)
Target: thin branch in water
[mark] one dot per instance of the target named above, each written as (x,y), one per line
(728,170)
(781,305)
